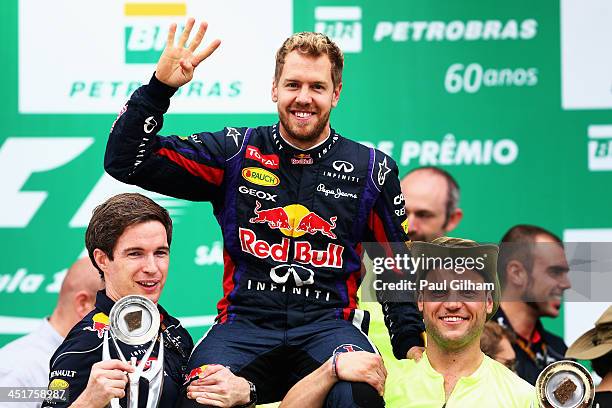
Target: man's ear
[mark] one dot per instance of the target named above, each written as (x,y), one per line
(516,274)
(336,95)
(420,302)
(454,219)
(101,259)
(274,91)
(83,303)
(489,302)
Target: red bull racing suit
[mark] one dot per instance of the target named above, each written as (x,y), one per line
(293,223)
(71,363)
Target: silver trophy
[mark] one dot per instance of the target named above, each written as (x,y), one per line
(565,384)
(135,320)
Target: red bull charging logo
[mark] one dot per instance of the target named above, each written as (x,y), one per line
(292,220)
(195,373)
(285,218)
(99,324)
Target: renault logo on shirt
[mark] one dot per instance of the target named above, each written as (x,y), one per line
(341,165)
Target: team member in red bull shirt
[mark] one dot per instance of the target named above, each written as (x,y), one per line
(128,240)
(294,200)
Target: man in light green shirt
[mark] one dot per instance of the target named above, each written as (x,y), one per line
(456,300)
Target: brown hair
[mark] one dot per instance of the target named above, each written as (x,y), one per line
(491,338)
(313,45)
(451,247)
(111,218)
(518,244)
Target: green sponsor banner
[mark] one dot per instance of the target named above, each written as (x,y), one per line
(469,86)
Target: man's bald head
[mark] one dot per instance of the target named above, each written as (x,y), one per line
(81,276)
(77,295)
(432,203)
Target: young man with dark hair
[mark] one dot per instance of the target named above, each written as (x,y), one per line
(294,201)
(128,239)
(533,272)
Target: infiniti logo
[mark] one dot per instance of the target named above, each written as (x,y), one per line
(303,276)
(149,125)
(341,165)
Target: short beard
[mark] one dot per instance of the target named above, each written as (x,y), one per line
(309,137)
(455,345)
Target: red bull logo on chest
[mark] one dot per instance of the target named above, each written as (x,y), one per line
(294,220)
(330,257)
(99,324)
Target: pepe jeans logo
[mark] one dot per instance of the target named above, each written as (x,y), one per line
(337,193)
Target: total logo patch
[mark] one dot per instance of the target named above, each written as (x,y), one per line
(268,160)
(261,177)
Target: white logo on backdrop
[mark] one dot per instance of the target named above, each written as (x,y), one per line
(20,158)
(118,50)
(342,25)
(600,147)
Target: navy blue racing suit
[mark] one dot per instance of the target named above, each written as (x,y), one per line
(71,363)
(293,223)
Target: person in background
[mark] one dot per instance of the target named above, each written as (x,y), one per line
(453,371)
(533,272)
(596,345)
(431,197)
(431,200)
(496,342)
(24,362)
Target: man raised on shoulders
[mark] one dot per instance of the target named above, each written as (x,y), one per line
(295,201)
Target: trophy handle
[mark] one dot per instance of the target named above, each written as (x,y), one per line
(155,376)
(114,403)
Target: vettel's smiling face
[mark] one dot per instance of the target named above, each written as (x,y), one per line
(140,262)
(454,319)
(305,95)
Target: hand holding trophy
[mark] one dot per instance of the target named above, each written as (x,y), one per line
(135,320)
